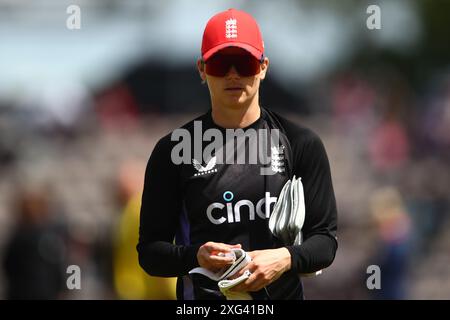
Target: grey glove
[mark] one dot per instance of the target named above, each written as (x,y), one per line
(288,215)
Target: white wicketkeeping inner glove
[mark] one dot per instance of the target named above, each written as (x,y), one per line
(288,215)
(240,260)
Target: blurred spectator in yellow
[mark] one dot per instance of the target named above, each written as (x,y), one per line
(130,281)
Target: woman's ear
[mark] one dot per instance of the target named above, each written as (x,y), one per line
(264,67)
(201,70)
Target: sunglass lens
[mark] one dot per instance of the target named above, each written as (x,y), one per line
(246,65)
(219,65)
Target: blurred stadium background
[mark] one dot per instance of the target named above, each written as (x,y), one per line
(80,111)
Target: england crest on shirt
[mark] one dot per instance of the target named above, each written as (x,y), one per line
(277,159)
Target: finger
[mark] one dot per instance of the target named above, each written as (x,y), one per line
(219,247)
(248,267)
(237,275)
(224,250)
(241,287)
(219,259)
(232,246)
(256,285)
(245,285)
(259,283)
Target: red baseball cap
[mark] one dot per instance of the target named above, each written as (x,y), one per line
(232,28)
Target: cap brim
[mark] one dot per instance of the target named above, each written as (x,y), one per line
(254,52)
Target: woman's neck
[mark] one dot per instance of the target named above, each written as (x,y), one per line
(234,118)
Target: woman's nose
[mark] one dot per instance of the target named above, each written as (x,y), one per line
(232,72)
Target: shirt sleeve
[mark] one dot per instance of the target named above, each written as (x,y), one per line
(319,230)
(159,218)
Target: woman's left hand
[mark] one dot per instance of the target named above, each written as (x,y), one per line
(266,267)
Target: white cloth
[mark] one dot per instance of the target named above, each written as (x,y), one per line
(240,260)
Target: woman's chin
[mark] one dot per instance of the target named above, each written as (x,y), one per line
(237,101)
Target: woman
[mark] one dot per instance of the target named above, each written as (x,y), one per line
(211,205)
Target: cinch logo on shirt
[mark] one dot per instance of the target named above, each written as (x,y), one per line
(217,213)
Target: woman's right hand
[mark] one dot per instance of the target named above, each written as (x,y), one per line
(211,255)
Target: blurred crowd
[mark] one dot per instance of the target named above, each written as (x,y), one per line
(74,140)
(71,189)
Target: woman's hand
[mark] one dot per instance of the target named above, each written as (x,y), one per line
(266,267)
(211,255)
